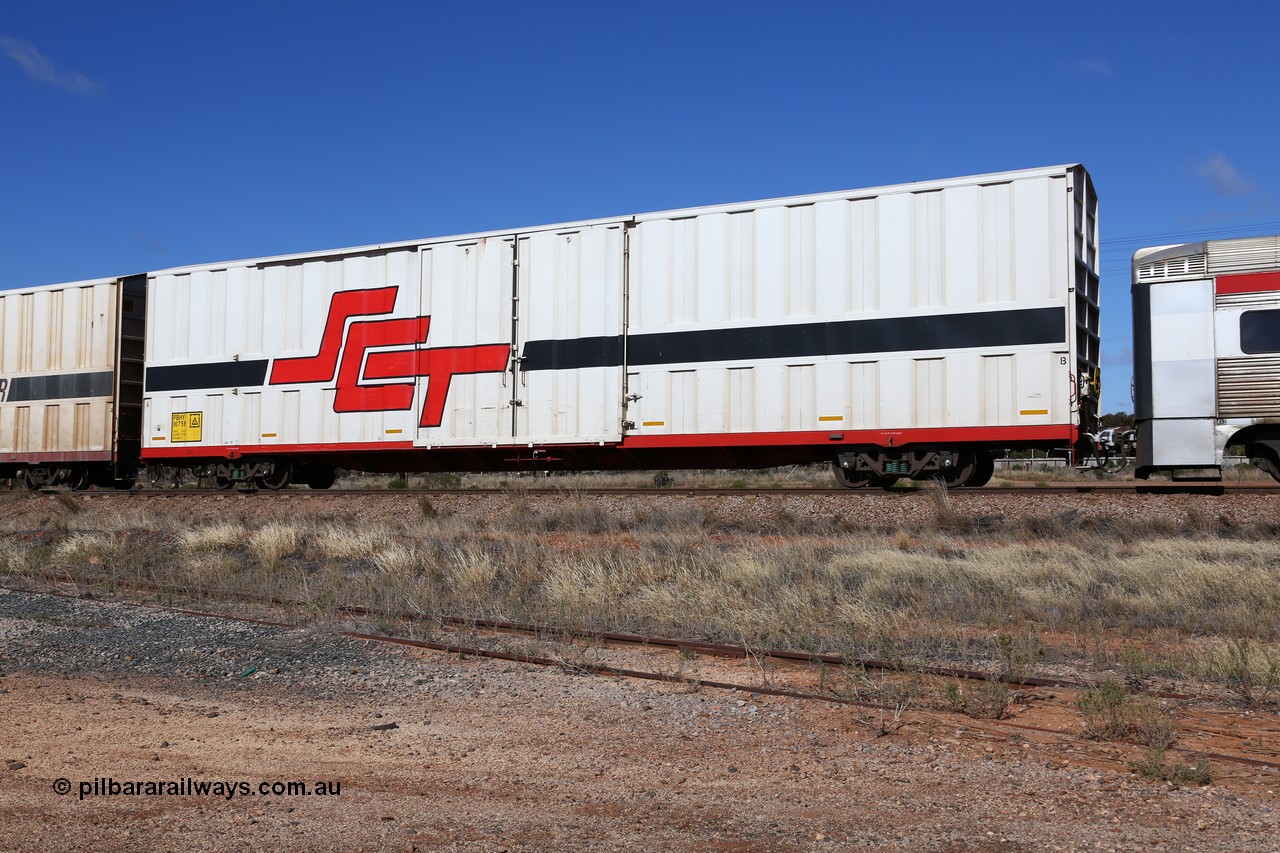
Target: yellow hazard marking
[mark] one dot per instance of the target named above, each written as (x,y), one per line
(1033,412)
(831,418)
(655,423)
(187,426)
(394,431)
(268,435)
(158,438)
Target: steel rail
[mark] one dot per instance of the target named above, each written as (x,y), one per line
(1213,489)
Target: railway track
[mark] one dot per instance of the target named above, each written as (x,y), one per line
(1102,487)
(1042,713)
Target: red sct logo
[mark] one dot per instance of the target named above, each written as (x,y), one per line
(343,351)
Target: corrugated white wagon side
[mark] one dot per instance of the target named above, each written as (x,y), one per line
(936,315)
(68,410)
(388,358)
(899,331)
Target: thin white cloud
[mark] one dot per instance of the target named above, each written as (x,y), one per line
(1117,355)
(151,243)
(1224,177)
(41,68)
(1095,65)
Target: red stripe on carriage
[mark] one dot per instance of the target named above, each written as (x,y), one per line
(1254,282)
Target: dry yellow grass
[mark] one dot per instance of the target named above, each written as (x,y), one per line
(817,585)
(212,537)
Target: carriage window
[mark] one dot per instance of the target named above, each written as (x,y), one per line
(1260,332)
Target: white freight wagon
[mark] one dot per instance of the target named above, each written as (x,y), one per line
(71,382)
(896,331)
(1206,333)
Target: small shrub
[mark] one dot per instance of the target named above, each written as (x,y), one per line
(444,481)
(1191,774)
(1251,671)
(1153,726)
(1152,766)
(952,697)
(663,480)
(1105,711)
(1111,713)
(892,696)
(398,482)
(1136,659)
(985,700)
(1019,654)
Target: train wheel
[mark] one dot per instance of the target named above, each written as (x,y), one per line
(79,479)
(321,478)
(278,478)
(870,481)
(843,477)
(221,482)
(28,480)
(164,476)
(985,469)
(965,472)
(1265,459)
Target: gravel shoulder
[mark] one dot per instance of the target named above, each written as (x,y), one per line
(485,755)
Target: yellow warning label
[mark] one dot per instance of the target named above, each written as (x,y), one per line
(1029,412)
(187,426)
(825,418)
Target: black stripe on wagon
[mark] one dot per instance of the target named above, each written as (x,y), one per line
(60,386)
(219,374)
(987,329)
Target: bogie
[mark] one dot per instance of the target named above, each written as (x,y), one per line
(955,466)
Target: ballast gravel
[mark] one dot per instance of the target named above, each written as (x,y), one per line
(435,752)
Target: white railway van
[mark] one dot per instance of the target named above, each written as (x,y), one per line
(895,331)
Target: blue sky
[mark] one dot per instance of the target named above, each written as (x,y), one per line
(138,136)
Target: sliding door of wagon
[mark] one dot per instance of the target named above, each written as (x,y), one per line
(465,379)
(569,335)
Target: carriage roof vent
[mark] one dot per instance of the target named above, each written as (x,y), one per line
(1171,268)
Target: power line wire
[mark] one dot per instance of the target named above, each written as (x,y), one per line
(1191,236)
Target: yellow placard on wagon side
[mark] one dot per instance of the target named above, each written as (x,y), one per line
(187,426)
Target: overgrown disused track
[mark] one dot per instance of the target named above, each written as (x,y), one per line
(1043,715)
(559,633)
